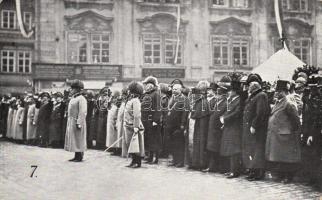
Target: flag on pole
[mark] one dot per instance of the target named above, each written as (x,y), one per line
(178,36)
(279,20)
(20,21)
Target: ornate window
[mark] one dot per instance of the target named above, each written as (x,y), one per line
(8,61)
(162,44)
(295,5)
(230,3)
(88,38)
(24,61)
(8,19)
(161,49)
(230,42)
(300,47)
(88,48)
(230,51)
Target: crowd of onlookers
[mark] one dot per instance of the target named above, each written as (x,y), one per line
(238,125)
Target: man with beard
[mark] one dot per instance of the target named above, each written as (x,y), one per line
(176,123)
(75,138)
(255,118)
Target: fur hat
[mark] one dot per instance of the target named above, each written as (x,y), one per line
(105,90)
(135,88)
(45,94)
(151,79)
(213,86)
(176,81)
(77,84)
(58,94)
(254,77)
(225,82)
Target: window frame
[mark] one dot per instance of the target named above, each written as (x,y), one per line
(89,47)
(287,5)
(230,53)
(8,59)
(24,61)
(163,43)
(8,22)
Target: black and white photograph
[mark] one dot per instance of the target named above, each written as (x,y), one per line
(161,99)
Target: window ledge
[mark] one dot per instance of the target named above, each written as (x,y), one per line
(231,8)
(155,4)
(163,66)
(229,68)
(297,12)
(16,73)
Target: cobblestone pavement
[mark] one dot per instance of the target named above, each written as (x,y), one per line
(102,176)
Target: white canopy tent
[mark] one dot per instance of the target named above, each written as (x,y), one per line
(280,65)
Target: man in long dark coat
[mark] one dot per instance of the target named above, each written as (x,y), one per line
(4,109)
(283,135)
(231,138)
(312,132)
(151,118)
(176,124)
(56,136)
(255,119)
(200,114)
(43,119)
(217,109)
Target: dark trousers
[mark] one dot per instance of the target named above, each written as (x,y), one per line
(235,163)
(178,149)
(217,163)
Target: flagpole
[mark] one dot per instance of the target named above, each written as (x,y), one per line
(279,23)
(178,36)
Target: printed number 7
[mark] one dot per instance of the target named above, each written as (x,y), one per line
(35,167)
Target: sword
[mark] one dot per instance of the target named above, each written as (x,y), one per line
(113,144)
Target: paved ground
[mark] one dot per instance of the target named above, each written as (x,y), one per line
(102,176)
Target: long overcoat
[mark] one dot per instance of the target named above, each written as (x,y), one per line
(132,119)
(256,113)
(17,124)
(175,119)
(3,118)
(91,121)
(9,122)
(102,113)
(31,122)
(120,129)
(75,138)
(111,128)
(151,112)
(215,125)
(200,113)
(43,121)
(283,135)
(56,123)
(232,132)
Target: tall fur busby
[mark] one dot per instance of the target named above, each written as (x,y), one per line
(254,78)
(151,79)
(305,71)
(77,84)
(225,82)
(135,88)
(235,80)
(282,85)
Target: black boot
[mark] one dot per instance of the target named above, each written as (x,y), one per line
(73,159)
(150,158)
(138,161)
(79,157)
(133,162)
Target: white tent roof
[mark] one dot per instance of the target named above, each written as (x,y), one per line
(280,65)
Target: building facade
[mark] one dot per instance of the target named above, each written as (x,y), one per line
(101,41)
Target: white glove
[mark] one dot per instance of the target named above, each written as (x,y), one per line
(94,143)
(252,130)
(136,130)
(222,119)
(309,141)
(154,124)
